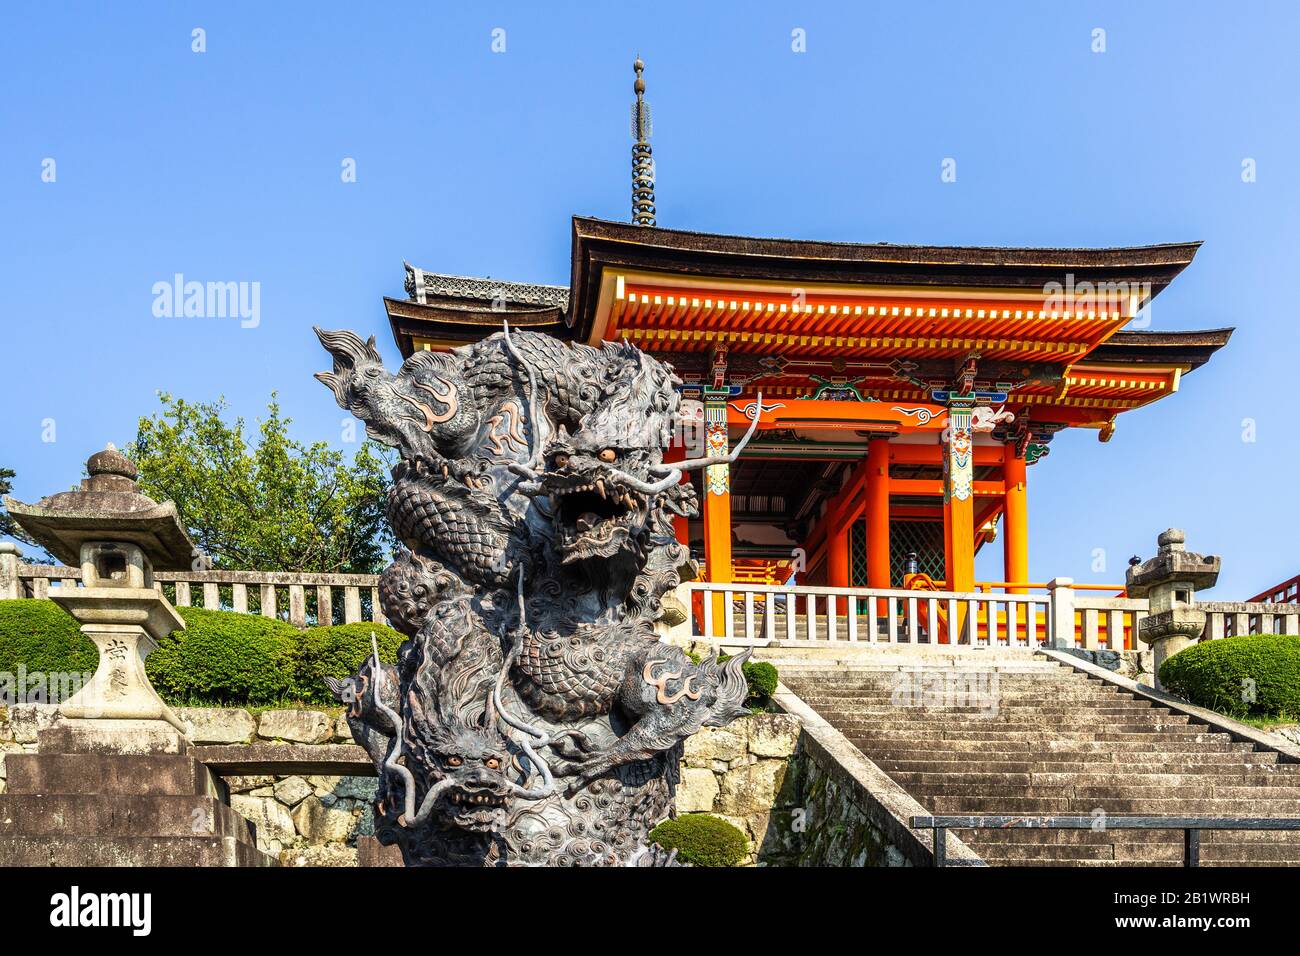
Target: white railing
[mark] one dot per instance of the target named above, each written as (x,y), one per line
(757,614)
(301,598)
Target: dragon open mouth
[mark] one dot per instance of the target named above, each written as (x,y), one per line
(475,809)
(594,517)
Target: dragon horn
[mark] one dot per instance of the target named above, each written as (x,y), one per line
(691,464)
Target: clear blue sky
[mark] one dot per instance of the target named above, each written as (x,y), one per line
(225,166)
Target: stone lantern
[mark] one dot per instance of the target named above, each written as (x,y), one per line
(1170,581)
(118,537)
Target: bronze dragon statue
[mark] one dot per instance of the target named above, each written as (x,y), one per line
(533,716)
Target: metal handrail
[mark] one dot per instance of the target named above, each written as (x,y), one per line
(1191,827)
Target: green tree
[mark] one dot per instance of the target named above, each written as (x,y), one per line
(278,506)
(8,526)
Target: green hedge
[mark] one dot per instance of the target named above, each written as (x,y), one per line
(41,636)
(702,839)
(338,651)
(1224,675)
(221,657)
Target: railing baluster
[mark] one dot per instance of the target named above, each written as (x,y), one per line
(851,606)
(913,624)
(728,614)
(708,612)
(297,605)
(212,596)
(239,598)
(1013,623)
(932,620)
(873,625)
(1115,630)
(810,617)
(182,594)
(376,609)
(954,629)
(791,617)
(267,597)
(1090,628)
(749,615)
(991,621)
(973,621)
(892,620)
(324,605)
(351,605)
(769,616)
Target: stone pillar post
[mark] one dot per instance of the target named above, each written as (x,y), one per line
(10,555)
(1061,617)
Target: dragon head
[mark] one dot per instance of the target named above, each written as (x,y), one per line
(425,409)
(475,759)
(598,478)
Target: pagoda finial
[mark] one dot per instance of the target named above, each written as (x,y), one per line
(643,166)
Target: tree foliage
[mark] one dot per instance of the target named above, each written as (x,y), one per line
(8,527)
(278,505)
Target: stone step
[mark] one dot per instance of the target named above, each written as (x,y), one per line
(907,749)
(67,815)
(130,851)
(938,736)
(1003,805)
(956,767)
(1174,838)
(139,774)
(1087,780)
(993,726)
(1116,787)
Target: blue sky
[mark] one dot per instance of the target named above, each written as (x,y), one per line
(225,166)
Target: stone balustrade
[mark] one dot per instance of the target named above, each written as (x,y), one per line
(302,598)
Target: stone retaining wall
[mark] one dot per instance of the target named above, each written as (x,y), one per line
(736,772)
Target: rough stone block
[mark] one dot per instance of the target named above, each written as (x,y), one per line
(317,823)
(114,736)
(325,854)
(274,824)
(370,852)
(218,725)
(713,743)
(6,729)
(342,732)
(292,791)
(298,726)
(245,783)
(697,790)
(773,735)
(323,784)
(27,720)
(751,789)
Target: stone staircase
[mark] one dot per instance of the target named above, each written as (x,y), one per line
(1002,732)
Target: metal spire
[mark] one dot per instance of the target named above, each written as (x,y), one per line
(643,166)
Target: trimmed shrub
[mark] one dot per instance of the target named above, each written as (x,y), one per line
(1225,675)
(702,839)
(225,658)
(337,651)
(761,677)
(41,636)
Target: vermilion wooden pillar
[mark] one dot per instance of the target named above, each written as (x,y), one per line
(959,505)
(1015,537)
(717,504)
(877,512)
(681,524)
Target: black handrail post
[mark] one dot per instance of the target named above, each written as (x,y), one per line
(940,846)
(1191,847)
